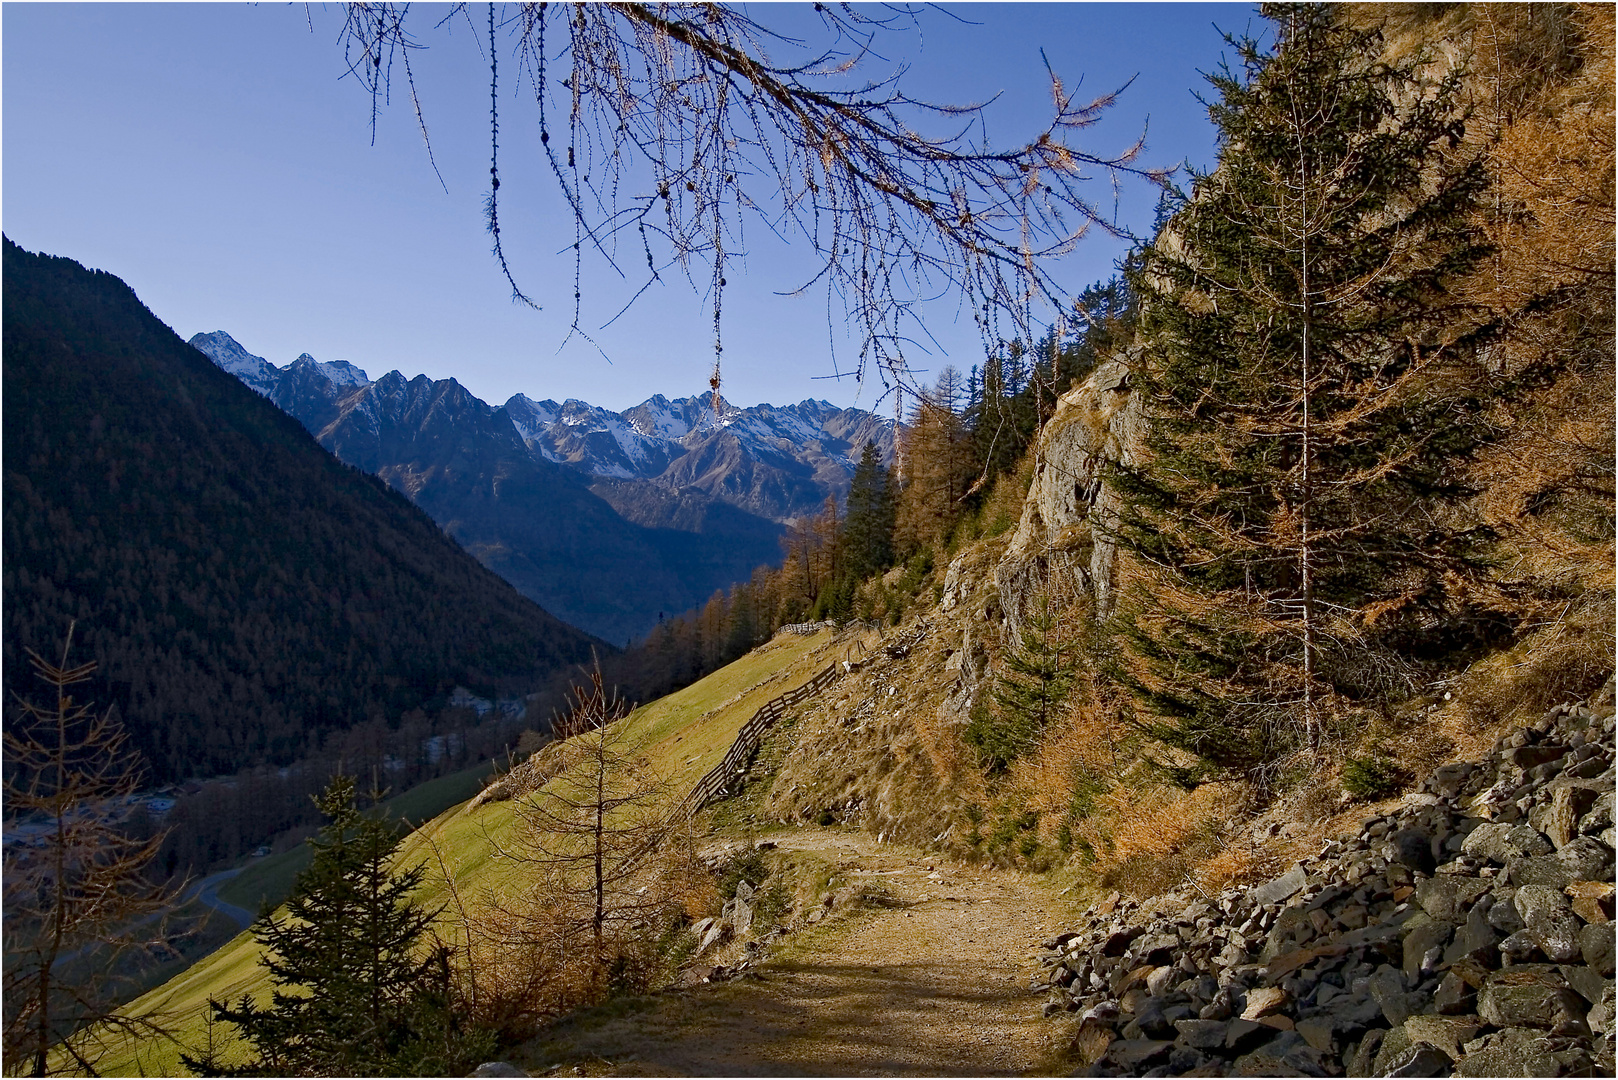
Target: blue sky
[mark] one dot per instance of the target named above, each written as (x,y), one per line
(214,157)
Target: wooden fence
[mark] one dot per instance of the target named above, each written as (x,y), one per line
(713,785)
(807,628)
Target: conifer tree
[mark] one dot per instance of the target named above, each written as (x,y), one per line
(1037,677)
(1313,392)
(940,466)
(356,993)
(868,528)
(77,894)
(582,841)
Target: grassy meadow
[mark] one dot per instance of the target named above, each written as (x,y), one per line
(683,735)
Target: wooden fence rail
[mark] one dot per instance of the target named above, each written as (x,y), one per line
(717,779)
(807,628)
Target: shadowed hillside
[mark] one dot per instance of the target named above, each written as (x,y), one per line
(245,592)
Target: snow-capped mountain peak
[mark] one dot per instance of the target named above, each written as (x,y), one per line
(776,461)
(226,352)
(343,373)
(258,373)
(337,372)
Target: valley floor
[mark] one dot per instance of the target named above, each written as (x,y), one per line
(934,982)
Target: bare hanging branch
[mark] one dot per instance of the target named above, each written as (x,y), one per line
(679,128)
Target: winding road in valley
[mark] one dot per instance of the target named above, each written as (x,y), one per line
(207,891)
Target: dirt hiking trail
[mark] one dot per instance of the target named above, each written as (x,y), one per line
(933,983)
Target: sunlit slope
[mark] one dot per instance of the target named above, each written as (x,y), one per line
(270,878)
(684,734)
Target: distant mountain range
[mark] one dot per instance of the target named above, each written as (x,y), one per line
(247,596)
(608,520)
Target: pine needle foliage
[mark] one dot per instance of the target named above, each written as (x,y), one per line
(359,991)
(1035,681)
(1314,391)
(868,528)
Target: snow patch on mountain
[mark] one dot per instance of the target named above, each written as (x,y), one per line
(776,461)
(531,417)
(336,372)
(227,353)
(343,373)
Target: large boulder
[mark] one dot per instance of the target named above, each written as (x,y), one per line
(1528,998)
(1512,1052)
(1549,921)
(1500,842)
(1449,897)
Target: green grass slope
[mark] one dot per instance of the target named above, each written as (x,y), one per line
(269,880)
(684,734)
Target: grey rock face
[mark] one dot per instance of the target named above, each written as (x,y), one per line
(1421,940)
(1057,540)
(1586,982)
(1549,921)
(1420,1059)
(1281,888)
(1475,938)
(1596,947)
(1287,1054)
(1586,859)
(1514,1052)
(1412,849)
(1447,1033)
(1544,870)
(1450,896)
(1500,843)
(1138,1054)
(1202,1034)
(1601,1017)
(1527,1005)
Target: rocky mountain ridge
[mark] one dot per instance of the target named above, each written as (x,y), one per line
(1468,932)
(248,598)
(779,462)
(609,520)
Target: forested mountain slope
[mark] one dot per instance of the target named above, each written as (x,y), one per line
(244,591)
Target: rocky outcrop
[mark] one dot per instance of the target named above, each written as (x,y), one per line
(1061,546)
(1468,933)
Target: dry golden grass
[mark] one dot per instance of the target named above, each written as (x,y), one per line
(1155,837)
(1559,662)
(951,759)
(1085,747)
(1240,863)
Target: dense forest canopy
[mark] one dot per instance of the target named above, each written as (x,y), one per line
(245,593)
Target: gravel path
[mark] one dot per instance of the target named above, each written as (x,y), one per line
(936,985)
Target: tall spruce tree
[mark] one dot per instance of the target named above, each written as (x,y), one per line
(1035,680)
(356,992)
(868,528)
(1313,392)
